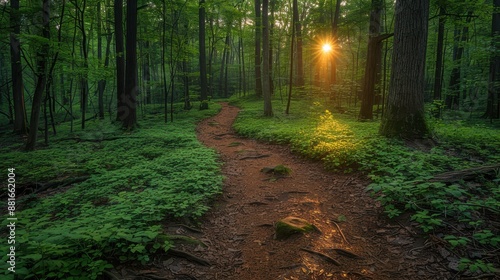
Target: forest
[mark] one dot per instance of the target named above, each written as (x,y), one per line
(171,139)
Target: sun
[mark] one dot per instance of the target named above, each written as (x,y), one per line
(326,48)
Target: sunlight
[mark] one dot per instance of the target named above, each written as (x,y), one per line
(326,48)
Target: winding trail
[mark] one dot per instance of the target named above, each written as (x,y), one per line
(239,228)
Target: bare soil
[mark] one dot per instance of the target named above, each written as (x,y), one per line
(238,232)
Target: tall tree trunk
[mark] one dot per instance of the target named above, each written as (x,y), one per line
(17,70)
(438,78)
(298,39)
(100,83)
(225,53)
(266,76)
(203,56)
(127,112)
(335,24)
(258,60)
(373,61)
(452,100)
(493,102)
(404,116)
(41,77)
(84,85)
(120,56)
(146,73)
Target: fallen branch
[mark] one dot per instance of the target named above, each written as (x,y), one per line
(323,256)
(189,256)
(465,174)
(190,228)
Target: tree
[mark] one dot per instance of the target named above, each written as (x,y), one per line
(404,115)
(298,40)
(120,59)
(41,77)
(335,27)
(257,57)
(373,61)
(203,56)
(127,111)
(493,102)
(266,75)
(17,70)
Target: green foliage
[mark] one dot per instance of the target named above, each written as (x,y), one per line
(137,180)
(400,171)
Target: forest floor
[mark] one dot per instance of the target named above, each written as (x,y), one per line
(239,234)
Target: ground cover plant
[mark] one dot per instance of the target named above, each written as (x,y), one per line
(459,210)
(132,183)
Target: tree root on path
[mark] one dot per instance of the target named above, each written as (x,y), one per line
(188,256)
(341,233)
(346,253)
(323,256)
(254,157)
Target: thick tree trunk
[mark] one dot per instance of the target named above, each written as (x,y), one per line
(266,76)
(404,116)
(128,110)
(41,77)
(17,70)
(373,61)
(120,56)
(258,60)
(203,56)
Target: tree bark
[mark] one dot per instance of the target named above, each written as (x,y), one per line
(335,24)
(493,102)
(373,61)
(41,77)
(17,70)
(127,111)
(120,56)
(298,40)
(404,116)
(266,76)
(438,78)
(258,60)
(203,56)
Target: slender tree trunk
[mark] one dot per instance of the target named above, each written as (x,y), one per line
(120,56)
(127,112)
(266,76)
(290,78)
(335,24)
(203,56)
(17,70)
(404,116)
(438,78)
(258,60)
(493,102)
(84,85)
(100,83)
(298,39)
(41,77)
(373,61)
(452,100)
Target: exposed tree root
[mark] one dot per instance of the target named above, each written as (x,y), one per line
(323,256)
(254,157)
(346,253)
(189,257)
(465,174)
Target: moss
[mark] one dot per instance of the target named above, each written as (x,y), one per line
(292,225)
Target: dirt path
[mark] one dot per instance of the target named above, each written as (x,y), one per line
(239,228)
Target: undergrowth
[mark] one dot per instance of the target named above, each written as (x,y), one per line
(462,213)
(137,180)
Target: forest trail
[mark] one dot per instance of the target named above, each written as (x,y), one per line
(239,228)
